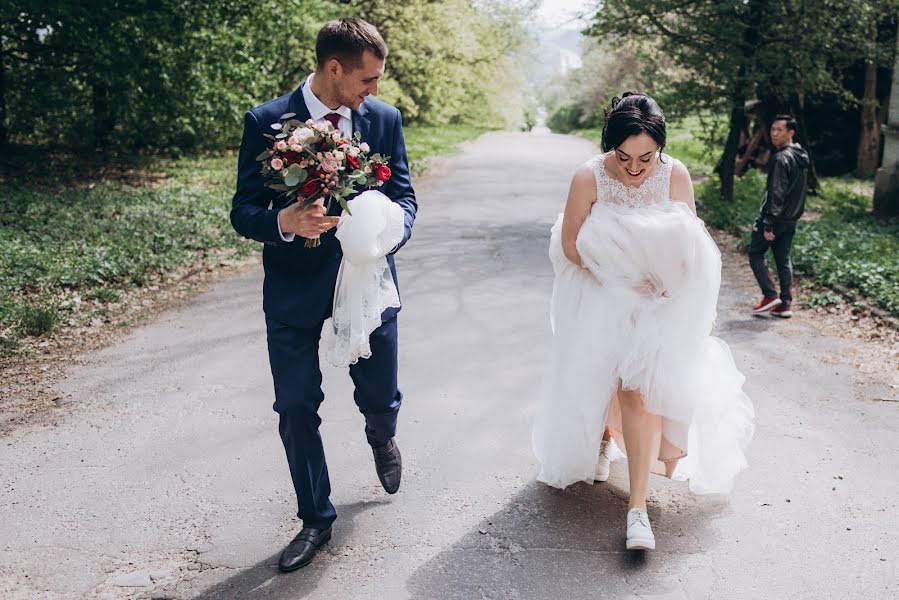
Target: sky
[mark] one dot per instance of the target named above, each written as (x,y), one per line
(555,13)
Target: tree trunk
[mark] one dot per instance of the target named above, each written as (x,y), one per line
(727,165)
(748,45)
(103,116)
(869,140)
(797,103)
(4,133)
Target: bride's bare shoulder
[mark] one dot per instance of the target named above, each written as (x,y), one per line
(681,187)
(585,176)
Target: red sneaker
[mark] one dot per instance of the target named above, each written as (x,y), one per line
(765,305)
(782,310)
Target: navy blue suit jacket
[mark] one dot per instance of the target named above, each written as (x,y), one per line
(299,281)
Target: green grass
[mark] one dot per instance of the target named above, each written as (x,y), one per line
(94,241)
(71,245)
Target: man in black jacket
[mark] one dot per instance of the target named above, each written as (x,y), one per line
(783,204)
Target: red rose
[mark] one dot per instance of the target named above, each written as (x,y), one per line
(383,173)
(291,157)
(309,187)
(352,161)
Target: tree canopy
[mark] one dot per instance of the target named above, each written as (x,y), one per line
(806,57)
(179,74)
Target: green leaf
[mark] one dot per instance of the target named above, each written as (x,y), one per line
(357,136)
(344,205)
(287,116)
(281,136)
(296,171)
(291,180)
(264,155)
(279,187)
(276,126)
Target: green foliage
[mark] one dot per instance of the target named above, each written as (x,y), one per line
(844,245)
(168,74)
(854,251)
(793,55)
(91,242)
(104,295)
(569,118)
(578,99)
(38,320)
(822,298)
(452,61)
(178,75)
(738,215)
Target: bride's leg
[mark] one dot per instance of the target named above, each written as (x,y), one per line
(642,434)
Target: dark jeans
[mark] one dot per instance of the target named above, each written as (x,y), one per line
(293,354)
(783,240)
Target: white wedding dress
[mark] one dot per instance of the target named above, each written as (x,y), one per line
(639,316)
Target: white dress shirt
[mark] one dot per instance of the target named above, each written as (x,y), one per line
(317,112)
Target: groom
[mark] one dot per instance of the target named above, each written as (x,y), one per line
(299,282)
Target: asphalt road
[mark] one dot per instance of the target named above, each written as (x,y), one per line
(166,478)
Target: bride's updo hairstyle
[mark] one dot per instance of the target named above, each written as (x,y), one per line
(632,114)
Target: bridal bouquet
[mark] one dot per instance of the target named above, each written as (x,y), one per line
(314,163)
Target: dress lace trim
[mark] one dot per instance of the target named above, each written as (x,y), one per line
(653,190)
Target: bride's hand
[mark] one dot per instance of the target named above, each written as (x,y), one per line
(651,287)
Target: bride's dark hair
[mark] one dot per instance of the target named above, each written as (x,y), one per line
(632,114)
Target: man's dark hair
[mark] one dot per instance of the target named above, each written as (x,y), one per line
(791,122)
(346,40)
(632,114)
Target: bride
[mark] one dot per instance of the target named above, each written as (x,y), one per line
(633,305)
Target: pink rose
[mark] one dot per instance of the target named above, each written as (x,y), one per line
(329,165)
(281,145)
(277,164)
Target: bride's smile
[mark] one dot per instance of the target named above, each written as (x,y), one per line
(635,159)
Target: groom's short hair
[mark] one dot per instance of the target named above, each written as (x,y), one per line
(346,40)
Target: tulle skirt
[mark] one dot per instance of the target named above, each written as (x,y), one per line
(639,317)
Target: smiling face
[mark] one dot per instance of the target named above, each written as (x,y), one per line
(635,158)
(351,84)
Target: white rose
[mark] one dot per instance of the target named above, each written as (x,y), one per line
(353,151)
(364,147)
(302,134)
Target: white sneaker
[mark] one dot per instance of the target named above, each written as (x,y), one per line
(603,465)
(639,533)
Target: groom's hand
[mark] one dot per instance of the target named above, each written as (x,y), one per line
(307,222)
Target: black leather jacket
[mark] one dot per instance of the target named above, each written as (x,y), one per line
(785,191)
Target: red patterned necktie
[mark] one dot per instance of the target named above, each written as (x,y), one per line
(333,119)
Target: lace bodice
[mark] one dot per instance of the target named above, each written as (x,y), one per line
(656,187)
